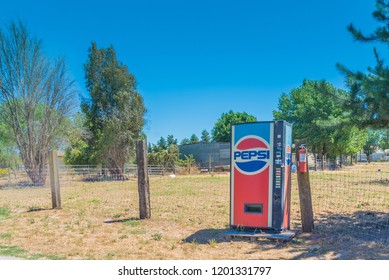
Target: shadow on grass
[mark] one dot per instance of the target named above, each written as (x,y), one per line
(122,220)
(379,182)
(205,236)
(362,235)
(37,209)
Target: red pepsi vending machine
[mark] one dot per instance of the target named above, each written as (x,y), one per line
(261,154)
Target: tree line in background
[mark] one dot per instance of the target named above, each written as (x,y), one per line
(38,109)
(167,154)
(334,122)
(321,122)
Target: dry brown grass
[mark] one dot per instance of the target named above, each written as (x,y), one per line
(189,215)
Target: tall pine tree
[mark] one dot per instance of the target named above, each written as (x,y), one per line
(368,99)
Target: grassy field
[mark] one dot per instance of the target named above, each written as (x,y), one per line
(189,215)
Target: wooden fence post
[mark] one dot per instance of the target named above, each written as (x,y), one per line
(9,176)
(305,197)
(54,180)
(209,163)
(143,180)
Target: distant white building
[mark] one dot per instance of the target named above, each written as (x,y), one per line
(386,154)
(379,155)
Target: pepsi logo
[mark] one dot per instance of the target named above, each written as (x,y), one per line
(288,155)
(251,155)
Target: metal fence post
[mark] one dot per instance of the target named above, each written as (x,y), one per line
(54,180)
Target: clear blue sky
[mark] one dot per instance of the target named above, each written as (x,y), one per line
(196,59)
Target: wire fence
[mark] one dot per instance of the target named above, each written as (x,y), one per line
(347,202)
(96,173)
(20,177)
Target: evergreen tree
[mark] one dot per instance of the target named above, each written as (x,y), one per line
(114,112)
(368,99)
(171,140)
(162,144)
(165,153)
(185,141)
(205,136)
(194,139)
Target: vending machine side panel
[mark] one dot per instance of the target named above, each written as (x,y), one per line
(287,174)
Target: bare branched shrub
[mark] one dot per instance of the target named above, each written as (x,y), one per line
(37,95)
